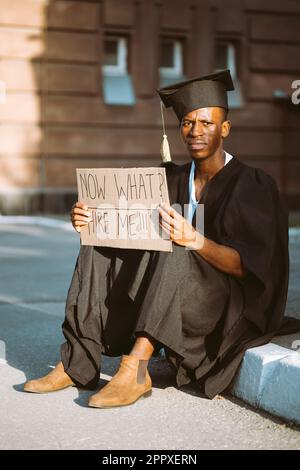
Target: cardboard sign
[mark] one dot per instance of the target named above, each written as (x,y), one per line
(123,203)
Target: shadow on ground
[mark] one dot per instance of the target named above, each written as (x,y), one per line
(33,338)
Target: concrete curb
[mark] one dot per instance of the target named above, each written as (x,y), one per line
(294,232)
(269,379)
(36,220)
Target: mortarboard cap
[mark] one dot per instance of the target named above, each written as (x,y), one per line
(201,92)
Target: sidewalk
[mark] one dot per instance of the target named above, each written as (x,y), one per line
(36,267)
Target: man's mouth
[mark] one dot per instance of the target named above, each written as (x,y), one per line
(196,144)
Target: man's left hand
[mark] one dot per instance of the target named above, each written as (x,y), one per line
(179,230)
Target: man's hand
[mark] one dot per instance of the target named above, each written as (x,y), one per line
(178,229)
(80,216)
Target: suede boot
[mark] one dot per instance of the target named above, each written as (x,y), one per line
(131,382)
(57,379)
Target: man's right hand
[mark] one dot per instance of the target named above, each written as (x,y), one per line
(80,216)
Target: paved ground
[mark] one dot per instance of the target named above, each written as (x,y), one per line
(36,266)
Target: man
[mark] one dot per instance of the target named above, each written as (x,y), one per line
(206,304)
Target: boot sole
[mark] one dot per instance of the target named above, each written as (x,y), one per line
(49,391)
(145,395)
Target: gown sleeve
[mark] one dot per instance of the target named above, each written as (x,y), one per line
(255,224)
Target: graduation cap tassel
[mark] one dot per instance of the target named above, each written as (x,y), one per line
(164,148)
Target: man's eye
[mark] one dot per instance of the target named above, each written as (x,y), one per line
(186,123)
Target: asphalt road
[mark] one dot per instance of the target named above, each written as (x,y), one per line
(36,268)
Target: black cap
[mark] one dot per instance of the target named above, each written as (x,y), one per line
(201,92)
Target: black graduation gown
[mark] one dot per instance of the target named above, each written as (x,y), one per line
(244,210)
(204,318)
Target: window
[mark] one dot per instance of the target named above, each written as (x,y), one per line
(226,59)
(117,83)
(115,56)
(171,62)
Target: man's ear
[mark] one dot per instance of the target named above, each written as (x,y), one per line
(226,126)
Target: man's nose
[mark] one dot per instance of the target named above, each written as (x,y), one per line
(197,129)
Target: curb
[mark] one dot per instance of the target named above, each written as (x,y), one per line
(269,379)
(294,232)
(36,220)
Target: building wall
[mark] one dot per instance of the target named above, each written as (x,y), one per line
(54,119)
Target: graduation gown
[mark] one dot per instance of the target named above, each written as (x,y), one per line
(205,319)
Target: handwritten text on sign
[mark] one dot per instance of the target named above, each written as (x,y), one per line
(123,203)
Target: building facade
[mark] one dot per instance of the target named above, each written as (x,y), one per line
(78,81)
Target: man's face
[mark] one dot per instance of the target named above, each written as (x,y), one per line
(202,131)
